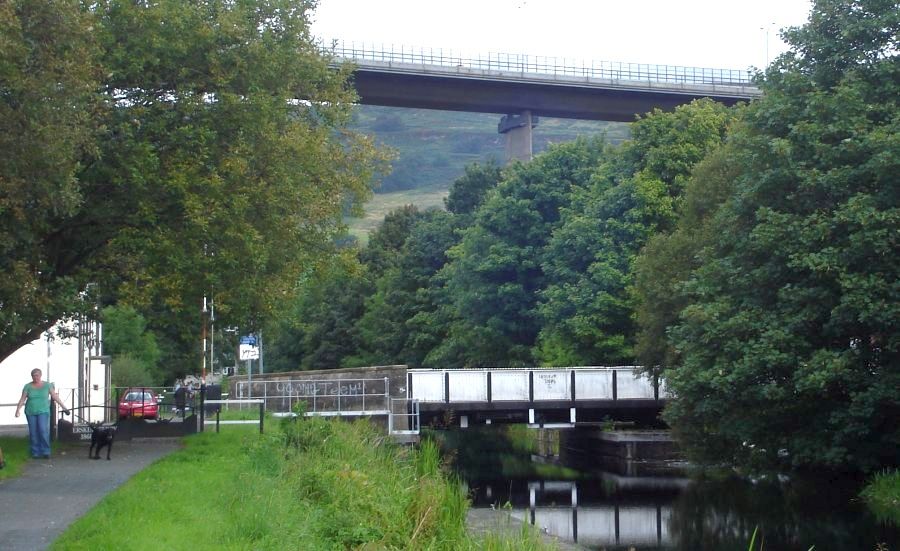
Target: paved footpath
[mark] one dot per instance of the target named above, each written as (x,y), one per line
(50,494)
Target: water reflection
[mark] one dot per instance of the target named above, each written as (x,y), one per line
(611,511)
(647,506)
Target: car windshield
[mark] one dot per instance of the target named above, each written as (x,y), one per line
(136,397)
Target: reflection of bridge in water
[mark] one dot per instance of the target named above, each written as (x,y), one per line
(601,521)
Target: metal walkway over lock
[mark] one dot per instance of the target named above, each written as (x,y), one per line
(408,398)
(541,397)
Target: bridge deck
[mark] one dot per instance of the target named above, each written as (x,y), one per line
(539,395)
(610,91)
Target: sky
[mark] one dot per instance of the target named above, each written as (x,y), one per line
(722,34)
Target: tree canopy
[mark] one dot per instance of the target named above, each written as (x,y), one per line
(165,151)
(785,347)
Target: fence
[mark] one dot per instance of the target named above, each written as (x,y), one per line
(335,398)
(539,65)
(351,397)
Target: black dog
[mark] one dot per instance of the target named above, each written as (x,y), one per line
(100,436)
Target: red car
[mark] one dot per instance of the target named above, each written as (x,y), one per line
(138,402)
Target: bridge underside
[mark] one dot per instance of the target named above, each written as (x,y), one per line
(644,413)
(546,99)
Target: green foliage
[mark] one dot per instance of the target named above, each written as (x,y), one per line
(394,328)
(189,169)
(586,310)
(48,74)
(126,370)
(468,192)
(788,342)
(882,494)
(390,307)
(134,349)
(16,451)
(346,488)
(495,273)
(668,259)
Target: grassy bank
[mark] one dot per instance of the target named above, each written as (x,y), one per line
(883,496)
(308,484)
(15,453)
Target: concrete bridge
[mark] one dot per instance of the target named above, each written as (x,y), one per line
(523,88)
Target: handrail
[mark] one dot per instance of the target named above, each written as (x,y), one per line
(538,65)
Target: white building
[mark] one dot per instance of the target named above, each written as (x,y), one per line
(64,362)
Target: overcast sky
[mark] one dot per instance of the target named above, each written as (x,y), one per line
(700,33)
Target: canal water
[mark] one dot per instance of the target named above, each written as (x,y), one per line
(659,506)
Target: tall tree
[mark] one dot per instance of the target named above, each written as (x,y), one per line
(218,164)
(668,259)
(400,325)
(586,310)
(495,272)
(49,73)
(134,351)
(789,347)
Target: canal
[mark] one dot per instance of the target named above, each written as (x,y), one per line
(613,504)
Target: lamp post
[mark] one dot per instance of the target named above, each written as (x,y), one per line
(767,28)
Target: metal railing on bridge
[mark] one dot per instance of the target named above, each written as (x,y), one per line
(538,65)
(335,398)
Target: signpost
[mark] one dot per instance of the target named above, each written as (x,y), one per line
(249,351)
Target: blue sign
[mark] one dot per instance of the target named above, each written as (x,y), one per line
(250,339)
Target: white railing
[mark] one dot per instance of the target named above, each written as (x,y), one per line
(533,385)
(538,65)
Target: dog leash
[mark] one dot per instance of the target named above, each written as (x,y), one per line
(70,411)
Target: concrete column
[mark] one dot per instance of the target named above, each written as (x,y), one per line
(517,128)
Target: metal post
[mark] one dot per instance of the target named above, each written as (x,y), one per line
(262,409)
(250,379)
(390,418)
(212,335)
(203,313)
(202,408)
(54,435)
(217,421)
(260,344)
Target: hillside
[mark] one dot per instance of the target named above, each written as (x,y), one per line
(432,149)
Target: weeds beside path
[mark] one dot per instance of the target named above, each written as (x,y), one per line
(305,484)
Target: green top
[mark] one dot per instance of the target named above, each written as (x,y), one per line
(38,398)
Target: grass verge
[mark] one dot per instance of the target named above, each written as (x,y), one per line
(882,494)
(306,484)
(15,453)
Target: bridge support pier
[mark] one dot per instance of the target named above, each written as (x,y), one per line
(518,130)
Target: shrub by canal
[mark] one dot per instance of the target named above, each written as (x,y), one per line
(307,484)
(883,496)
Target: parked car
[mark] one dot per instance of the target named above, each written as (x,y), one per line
(139,402)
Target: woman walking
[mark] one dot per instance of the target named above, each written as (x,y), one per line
(36,397)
